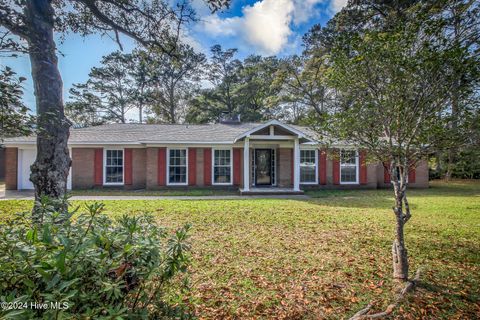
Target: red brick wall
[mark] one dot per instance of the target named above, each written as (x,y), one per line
(152,168)
(417,177)
(2,164)
(11,166)
(83,172)
(285,166)
(192,163)
(87,168)
(199,167)
(145,169)
(207,165)
(139,168)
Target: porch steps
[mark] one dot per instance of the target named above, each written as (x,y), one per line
(270,191)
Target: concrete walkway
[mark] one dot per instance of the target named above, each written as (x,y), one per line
(28,195)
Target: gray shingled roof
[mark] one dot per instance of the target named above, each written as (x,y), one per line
(155,133)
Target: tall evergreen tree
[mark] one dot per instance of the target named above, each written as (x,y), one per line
(110,91)
(151,23)
(15,119)
(173,79)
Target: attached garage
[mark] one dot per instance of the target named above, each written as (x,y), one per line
(26,157)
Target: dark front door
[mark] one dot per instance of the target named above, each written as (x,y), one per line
(263,163)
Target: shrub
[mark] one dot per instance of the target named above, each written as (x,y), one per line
(91,266)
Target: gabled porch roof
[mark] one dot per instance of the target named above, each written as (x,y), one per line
(294,132)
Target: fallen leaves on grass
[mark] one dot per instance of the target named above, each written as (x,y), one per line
(325,258)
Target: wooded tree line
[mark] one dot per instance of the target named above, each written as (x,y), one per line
(167,81)
(151,86)
(187,86)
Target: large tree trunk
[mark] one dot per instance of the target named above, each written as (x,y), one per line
(50,169)
(399,251)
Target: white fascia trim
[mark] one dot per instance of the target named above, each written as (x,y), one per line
(105,143)
(269,123)
(105,183)
(17,144)
(185,142)
(78,143)
(316,167)
(167,176)
(265,137)
(308,147)
(213,167)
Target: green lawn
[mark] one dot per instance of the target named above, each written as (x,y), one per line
(325,257)
(177,191)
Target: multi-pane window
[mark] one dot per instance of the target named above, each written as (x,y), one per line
(348,166)
(308,160)
(113,166)
(222,167)
(177,166)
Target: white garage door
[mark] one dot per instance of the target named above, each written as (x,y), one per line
(26,157)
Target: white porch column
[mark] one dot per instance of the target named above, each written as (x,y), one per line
(246,164)
(296,165)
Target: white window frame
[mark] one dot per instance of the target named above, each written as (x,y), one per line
(105,167)
(356,167)
(316,166)
(213,167)
(168,168)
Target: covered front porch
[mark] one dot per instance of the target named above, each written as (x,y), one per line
(271,159)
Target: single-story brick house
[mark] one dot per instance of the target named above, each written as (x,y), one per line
(253,157)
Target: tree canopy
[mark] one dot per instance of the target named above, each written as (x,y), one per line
(29,26)
(15,118)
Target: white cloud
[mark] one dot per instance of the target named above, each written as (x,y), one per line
(304,10)
(337,5)
(216,26)
(265,25)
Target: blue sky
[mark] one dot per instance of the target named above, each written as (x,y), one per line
(266,27)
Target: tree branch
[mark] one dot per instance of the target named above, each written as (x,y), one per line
(13,25)
(409,286)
